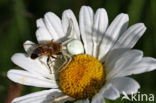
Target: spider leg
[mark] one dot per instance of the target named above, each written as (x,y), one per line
(72,33)
(67,41)
(62,98)
(67,58)
(66,55)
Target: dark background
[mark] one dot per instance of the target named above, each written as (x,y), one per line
(18,24)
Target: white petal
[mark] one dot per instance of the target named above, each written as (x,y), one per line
(148,63)
(145,65)
(131,36)
(30,65)
(112,56)
(42,33)
(126,84)
(45,96)
(40,23)
(110,92)
(98,98)
(29,46)
(54,25)
(123,62)
(86,25)
(68,14)
(99,28)
(115,29)
(27,78)
(82,101)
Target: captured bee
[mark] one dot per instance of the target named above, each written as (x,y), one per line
(51,49)
(48,48)
(65,49)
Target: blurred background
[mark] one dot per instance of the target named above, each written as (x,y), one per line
(18,24)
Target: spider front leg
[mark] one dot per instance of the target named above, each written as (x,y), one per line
(71,36)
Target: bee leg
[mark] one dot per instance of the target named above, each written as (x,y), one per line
(48,64)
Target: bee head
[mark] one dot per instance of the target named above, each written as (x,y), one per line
(34,56)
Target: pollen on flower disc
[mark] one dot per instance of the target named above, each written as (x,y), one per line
(83,77)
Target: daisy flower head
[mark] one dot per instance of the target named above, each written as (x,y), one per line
(101,59)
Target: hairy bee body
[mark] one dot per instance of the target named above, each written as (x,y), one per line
(46,49)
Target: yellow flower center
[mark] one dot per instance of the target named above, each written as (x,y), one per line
(83,77)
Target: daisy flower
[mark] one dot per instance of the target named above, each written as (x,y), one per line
(102,58)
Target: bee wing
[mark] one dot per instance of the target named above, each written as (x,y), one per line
(29,46)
